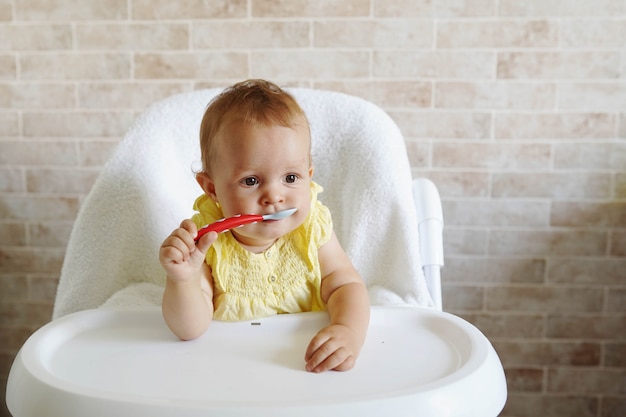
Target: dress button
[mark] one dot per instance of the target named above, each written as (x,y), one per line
(273,278)
(268,254)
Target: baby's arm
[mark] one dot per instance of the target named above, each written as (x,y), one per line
(338,345)
(187,301)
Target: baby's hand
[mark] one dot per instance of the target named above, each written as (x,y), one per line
(180,256)
(334,347)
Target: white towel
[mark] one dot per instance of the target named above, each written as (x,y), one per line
(148,187)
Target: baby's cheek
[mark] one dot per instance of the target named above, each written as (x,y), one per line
(303,213)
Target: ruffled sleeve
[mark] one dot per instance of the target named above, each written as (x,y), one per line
(207,211)
(320,223)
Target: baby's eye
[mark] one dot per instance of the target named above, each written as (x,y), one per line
(291,178)
(250,181)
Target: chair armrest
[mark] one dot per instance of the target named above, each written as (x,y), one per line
(430,229)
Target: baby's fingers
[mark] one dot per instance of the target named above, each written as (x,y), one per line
(174,249)
(179,245)
(325,353)
(187,232)
(315,343)
(330,357)
(205,242)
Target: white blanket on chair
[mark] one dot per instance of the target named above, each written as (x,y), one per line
(148,187)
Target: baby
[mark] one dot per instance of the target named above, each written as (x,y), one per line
(256,158)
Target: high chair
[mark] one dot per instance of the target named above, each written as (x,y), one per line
(108,352)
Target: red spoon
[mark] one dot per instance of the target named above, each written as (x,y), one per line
(239,220)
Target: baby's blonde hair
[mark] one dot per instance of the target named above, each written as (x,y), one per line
(251,101)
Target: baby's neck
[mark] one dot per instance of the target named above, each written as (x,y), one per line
(256,248)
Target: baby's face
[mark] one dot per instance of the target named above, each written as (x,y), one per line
(260,170)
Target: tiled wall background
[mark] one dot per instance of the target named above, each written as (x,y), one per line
(516,109)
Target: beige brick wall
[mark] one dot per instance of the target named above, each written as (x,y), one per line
(516,109)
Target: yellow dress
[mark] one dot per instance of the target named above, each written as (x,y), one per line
(285,278)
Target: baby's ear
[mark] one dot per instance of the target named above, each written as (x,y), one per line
(311,171)
(207,184)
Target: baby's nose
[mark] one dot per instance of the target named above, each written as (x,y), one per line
(272,194)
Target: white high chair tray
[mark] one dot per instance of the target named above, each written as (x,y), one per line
(104,362)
